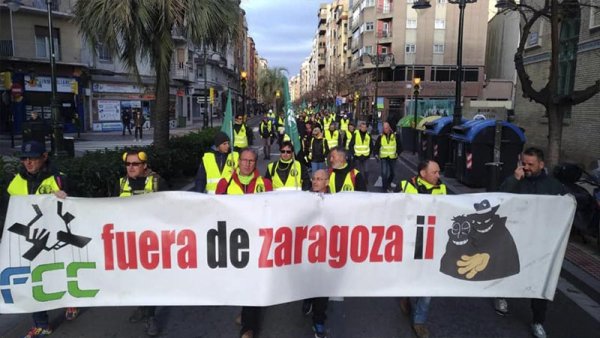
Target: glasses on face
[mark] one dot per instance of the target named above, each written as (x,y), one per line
(245,160)
(286,151)
(133,164)
(319,179)
(31,158)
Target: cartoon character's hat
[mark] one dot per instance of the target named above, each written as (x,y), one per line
(485,207)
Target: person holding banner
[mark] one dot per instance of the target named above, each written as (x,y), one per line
(217,163)
(343,177)
(287,173)
(246,180)
(36,176)
(531,178)
(140,179)
(427,181)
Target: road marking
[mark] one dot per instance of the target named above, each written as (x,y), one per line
(581,299)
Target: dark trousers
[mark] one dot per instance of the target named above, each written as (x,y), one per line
(138,129)
(538,307)
(126,125)
(387,172)
(319,309)
(360,163)
(250,318)
(40,319)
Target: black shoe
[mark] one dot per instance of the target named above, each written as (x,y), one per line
(151,327)
(137,316)
(307,307)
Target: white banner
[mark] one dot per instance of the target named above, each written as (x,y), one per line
(183,248)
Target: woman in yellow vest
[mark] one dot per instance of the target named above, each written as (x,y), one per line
(426,182)
(287,173)
(217,163)
(36,177)
(140,180)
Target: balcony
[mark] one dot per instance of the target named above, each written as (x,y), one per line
(6,48)
(182,71)
(382,35)
(178,34)
(385,11)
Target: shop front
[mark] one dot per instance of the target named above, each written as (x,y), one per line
(112,101)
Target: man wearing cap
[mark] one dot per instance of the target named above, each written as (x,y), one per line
(140,179)
(287,173)
(217,163)
(35,177)
(241,135)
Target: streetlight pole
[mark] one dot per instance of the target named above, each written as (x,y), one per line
(57,123)
(416,91)
(13,6)
(207,55)
(244,75)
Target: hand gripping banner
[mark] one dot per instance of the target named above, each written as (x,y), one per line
(183,248)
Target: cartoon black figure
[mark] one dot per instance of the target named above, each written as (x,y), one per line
(480,247)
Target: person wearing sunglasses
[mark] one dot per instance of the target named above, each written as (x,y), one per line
(287,173)
(140,179)
(242,136)
(36,177)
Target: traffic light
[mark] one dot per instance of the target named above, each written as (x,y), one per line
(212,95)
(74,87)
(356,96)
(416,85)
(6,79)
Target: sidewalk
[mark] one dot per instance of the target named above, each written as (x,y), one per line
(582,260)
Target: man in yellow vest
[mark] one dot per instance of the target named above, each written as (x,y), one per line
(246,180)
(266,131)
(35,177)
(140,179)
(332,136)
(287,173)
(344,123)
(342,176)
(387,148)
(361,147)
(218,162)
(241,135)
(317,150)
(426,182)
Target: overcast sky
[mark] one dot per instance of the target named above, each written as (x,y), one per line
(283,30)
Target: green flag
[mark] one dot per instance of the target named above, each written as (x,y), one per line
(227,126)
(291,129)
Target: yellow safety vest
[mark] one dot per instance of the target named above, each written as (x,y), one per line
(348,139)
(388,147)
(18,186)
(344,124)
(294,179)
(150,186)
(409,188)
(268,125)
(240,139)
(213,175)
(332,141)
(361,147)
(311,147)
(235,189)
(326,122)
(349,181)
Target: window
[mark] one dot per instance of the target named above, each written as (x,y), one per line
(369,50)
(438,49)
(104,54)
(440,24)
(369,3)
(442,2)
(384,50)
(369,26)
(411,23)
(42,42)
(594,17)
(410,48)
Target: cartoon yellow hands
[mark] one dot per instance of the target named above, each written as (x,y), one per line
(471,265)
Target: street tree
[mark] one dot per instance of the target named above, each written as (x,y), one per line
(270,80)
(557,95)
(142,31)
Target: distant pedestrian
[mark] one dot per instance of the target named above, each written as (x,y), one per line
(266,130)
(387,148)
(241,134)
(531,178)
(138,122)
(361,147)
(318,150)
(126,120)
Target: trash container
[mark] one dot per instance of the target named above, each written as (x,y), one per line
(69,144)
(475,147)
(407,130)
(422,139)
(436,137)
(181,121)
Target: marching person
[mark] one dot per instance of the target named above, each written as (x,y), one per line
(138,123)
(531,178)
(246,180)
(287,173)
(342,177)
(35,177)
(332,136)
(218,162)
(265,130)
(427,181)
(140,179)
(386,151)
(361,148)
(318,150)
(241,135)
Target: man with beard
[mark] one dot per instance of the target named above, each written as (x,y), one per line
(342,177)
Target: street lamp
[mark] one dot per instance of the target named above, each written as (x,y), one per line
(277,95)
(377,60)
(13,6)
(416,91)
(243,83)
(58,148)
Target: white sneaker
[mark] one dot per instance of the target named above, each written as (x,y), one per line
(538,330)
(501,306)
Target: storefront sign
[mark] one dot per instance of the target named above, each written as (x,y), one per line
(109,110)
(117,88)
(44,84)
